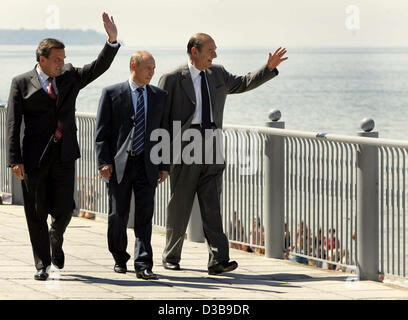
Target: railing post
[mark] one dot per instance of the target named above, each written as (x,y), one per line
(3,143)
(16,187)
(274,219)
(367,206)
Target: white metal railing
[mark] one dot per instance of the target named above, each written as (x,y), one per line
(5,173)
(332,199)
(344,200)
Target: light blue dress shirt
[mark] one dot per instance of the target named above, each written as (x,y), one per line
(135,96)
(45,82)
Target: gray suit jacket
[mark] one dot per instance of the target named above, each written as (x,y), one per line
(181,100)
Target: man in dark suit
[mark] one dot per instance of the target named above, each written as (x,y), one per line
(128,113)
(45,99)
(197,91)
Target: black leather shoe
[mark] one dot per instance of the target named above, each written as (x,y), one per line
(146,275)
(222,267)
(58,258)
(58,262)
(41,275)
(171,266)
(120,268)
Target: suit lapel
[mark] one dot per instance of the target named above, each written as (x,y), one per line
(61,87)
(150,109)
(35,82)
(126,99)
(187,84)
(126,103)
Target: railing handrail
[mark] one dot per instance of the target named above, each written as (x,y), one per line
(85,115)
(379,142)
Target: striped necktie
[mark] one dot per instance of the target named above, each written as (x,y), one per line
(139,134)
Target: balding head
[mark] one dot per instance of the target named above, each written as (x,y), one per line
(142,67)
(201,50)
(138,57)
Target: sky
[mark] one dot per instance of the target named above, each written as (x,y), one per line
(232,23)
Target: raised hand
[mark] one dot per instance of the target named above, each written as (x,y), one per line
(110,27)
(276,59)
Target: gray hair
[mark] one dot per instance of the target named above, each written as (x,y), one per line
(196,41)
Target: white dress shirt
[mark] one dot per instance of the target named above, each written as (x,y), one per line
(195,76)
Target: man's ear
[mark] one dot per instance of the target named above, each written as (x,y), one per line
(194,51)
(42,59)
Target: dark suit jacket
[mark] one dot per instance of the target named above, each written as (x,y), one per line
(181,101)
(115,125)
(30,102)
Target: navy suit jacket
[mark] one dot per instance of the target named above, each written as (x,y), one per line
(115,124)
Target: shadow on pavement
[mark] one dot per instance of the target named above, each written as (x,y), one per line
(238,281)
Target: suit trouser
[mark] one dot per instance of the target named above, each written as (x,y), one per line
(49,189)
(185,182)
(135,180)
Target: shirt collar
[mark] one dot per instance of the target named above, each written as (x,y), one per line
(43,76)
(134,86)
(194,72)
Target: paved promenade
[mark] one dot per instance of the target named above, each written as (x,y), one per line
(88,272)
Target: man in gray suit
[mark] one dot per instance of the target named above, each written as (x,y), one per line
(196,96)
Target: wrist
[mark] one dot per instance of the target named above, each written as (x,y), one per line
(271,67)
(112,40)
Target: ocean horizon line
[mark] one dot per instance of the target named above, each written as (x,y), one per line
(223,47)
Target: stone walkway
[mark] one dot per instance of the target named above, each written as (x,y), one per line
(88,272)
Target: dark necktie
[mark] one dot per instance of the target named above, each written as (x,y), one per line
(138,136)
(205,103)
(51,93)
